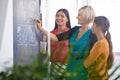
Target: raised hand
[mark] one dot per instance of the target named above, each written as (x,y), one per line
(38,22)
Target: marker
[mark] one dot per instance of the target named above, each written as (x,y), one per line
(37,20)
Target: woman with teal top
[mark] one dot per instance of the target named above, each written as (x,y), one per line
(79,51)
(80,39)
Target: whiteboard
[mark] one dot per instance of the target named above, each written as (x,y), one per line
(26,36)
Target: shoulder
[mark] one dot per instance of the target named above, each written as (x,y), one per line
(75,28)
(54,31)
(101,43)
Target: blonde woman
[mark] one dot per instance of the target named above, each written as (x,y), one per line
(80,39)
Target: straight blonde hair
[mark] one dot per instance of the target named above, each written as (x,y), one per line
(88,13)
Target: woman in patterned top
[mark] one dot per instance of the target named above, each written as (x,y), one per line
(59,49)
(101,55)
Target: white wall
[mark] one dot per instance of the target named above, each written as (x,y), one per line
(6,52)
(3,9)
(110,9)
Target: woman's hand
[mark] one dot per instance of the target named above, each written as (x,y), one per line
(39,26)
(38,22)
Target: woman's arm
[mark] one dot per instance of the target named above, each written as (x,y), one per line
(63,36)
(95,52)
(66,35)
(52,36)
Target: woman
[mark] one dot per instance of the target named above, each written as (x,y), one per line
(59,49)
(101,55)
(79,43)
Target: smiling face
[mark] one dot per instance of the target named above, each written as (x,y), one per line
(61,18)
(80,17)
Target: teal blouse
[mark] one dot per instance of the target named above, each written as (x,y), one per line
(78,51)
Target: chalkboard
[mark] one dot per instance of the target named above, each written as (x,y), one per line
(26,36)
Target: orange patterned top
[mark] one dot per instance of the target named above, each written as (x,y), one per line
(96,62)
